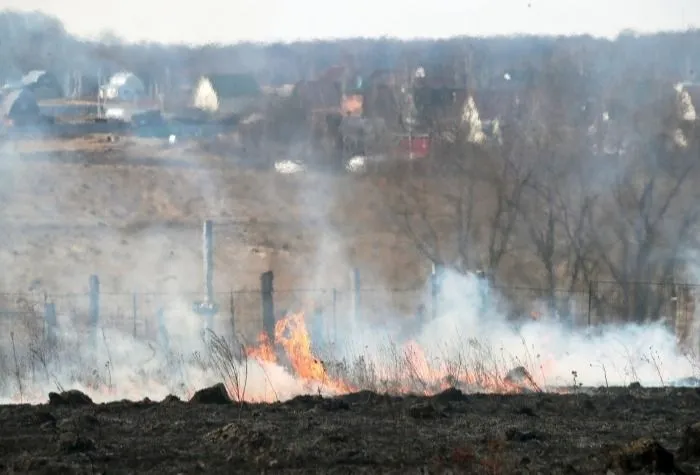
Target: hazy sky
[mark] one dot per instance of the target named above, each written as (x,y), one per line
(202,21)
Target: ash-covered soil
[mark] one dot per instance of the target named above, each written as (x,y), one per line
(621,430)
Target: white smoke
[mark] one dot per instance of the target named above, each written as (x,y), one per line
(553,351)
(471,335)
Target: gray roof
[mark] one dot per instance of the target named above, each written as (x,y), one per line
(32,76)
(234,85)
(122,77)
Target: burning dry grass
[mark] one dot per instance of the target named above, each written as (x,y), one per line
(110,365)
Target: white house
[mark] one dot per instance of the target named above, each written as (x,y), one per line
(123,86)
(226,94)
(686,96)
(687,101)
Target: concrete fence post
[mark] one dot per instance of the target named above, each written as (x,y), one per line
(208,259)
(355,283)
(50,322)
(335,316)
(435,281)
(268,304)
(232,314)
(134,310)
(207,308)
(94,306)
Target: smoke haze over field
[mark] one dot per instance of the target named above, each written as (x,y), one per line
(587,185)
(470,342)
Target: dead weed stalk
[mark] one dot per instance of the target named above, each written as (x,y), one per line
(230,360)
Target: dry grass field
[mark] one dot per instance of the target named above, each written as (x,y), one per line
(131,212)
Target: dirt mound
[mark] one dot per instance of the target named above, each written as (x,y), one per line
(216,394)
(71,397)
(521,378)
(643,454)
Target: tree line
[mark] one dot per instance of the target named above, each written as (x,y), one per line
(594,178)
(38,41)
(587,183)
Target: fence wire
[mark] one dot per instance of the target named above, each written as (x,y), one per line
(333,311)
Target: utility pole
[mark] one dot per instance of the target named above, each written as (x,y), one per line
(407,101)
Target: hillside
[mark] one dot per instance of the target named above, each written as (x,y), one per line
(73,208)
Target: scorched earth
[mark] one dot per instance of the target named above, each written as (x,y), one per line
(420,425)
(613,430)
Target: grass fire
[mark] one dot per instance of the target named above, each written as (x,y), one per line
(466,255)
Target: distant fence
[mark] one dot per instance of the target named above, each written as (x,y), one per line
(248,312)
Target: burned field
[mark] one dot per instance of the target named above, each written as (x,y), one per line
(624,430)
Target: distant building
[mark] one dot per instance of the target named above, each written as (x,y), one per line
(333,91)
(42,84)
(285,90)
(123,87)
(19,107)
(353,105)
(687,100)
(83,86)
(319,95)
(382,98)
(226,94)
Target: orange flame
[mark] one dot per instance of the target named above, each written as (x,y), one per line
(408,369)
(292,336)
(263,351)
(414,371)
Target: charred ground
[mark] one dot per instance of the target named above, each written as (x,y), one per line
(589,431)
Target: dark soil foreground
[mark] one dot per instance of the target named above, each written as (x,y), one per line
(622,430)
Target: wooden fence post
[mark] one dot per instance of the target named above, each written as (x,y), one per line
(94,306)
(208,259)
(268,305)
(592,287)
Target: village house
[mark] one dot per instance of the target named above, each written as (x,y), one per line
(42,84)
(227,94)
(83,86)
(319,96)
(687,100)
(123,87)
(380,98)
(353,105)
(332,92)
(19,107)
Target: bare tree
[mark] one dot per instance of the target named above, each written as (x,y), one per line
(552,134)
(461,209)
(650,212)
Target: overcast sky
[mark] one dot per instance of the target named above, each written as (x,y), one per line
(203,21)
